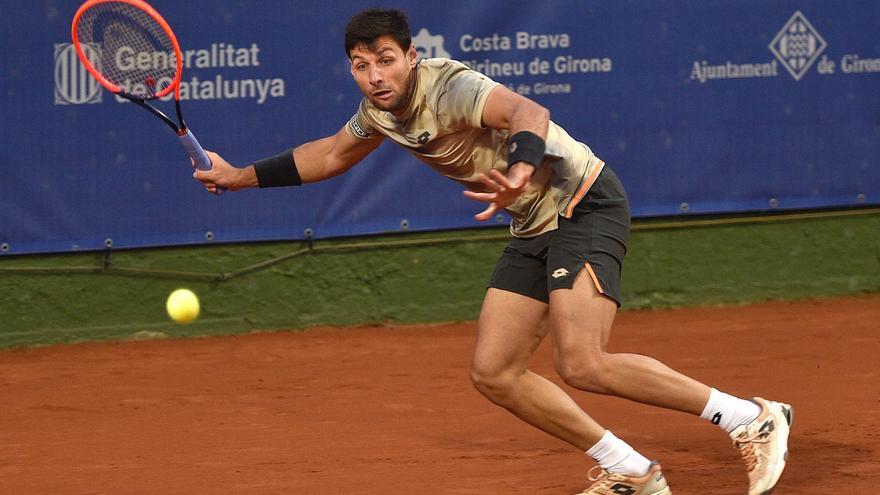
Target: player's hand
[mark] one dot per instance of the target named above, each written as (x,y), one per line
(221,175)
(502,189)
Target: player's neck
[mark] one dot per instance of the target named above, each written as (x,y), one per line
(407,100)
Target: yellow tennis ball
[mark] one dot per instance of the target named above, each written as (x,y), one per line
(182,306)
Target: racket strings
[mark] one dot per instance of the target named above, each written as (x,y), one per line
(136,53)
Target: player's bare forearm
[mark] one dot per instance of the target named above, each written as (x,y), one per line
(505,109)
(333,155)
(526,115)
(529,116)
(314,161)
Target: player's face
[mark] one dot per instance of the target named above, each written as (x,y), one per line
(384,73)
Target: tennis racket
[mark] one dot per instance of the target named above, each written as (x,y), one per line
(135,55)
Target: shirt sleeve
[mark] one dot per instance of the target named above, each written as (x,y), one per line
(359,126)
(465,95)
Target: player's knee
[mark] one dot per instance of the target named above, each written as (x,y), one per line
(495,384)
(583,371)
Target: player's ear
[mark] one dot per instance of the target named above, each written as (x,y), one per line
(412,55)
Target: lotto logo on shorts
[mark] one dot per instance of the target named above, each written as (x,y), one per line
(559,272)
(73,83)
(797,45)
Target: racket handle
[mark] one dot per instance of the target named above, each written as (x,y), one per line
(197,153)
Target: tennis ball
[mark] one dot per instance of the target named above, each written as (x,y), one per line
(182,306)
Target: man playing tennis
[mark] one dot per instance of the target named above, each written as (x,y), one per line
(570,224)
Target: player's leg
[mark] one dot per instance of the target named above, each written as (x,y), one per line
(588,250)
(581,319)
(510,328)
(584,261)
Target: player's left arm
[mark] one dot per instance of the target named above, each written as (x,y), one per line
(505,109)
(526,122)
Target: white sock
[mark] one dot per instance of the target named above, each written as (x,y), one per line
(616,456)
(728,411)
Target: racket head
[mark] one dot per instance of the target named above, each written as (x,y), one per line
(139,56)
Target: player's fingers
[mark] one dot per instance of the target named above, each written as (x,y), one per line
(480,196)
(489,183)
(210,174)
(213,157)
(487,213)
(501,179)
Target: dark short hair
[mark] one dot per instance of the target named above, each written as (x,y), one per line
(368,26)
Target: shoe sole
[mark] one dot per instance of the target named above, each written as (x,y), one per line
(665,491)
(788,414)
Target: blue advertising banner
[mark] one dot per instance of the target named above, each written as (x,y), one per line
(699,106)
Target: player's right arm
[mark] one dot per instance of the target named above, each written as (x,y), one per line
(314,161)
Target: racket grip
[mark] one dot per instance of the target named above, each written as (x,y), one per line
(197,153)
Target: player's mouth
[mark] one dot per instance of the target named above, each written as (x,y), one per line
(383,94)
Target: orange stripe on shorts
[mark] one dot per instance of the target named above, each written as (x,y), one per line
(579,195)
(594,277)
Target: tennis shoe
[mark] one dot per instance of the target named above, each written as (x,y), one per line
(605,483)
(763,445)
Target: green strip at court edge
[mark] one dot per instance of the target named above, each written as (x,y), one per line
(414,278)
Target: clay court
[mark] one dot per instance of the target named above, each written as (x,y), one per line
(391,411)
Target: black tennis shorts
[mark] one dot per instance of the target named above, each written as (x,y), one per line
(594,238)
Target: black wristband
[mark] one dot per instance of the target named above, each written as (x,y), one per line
(525,146)
(277,171)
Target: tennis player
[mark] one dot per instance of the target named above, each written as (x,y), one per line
(570,224)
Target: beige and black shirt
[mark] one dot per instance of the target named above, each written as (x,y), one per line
(442,126)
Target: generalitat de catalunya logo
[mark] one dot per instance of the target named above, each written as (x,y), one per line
(797,45)
(73,83)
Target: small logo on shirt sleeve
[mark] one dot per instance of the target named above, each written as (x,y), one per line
(355,126)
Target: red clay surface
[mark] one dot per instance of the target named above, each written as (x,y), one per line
(391,410)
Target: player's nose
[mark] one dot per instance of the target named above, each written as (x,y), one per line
(375,76)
